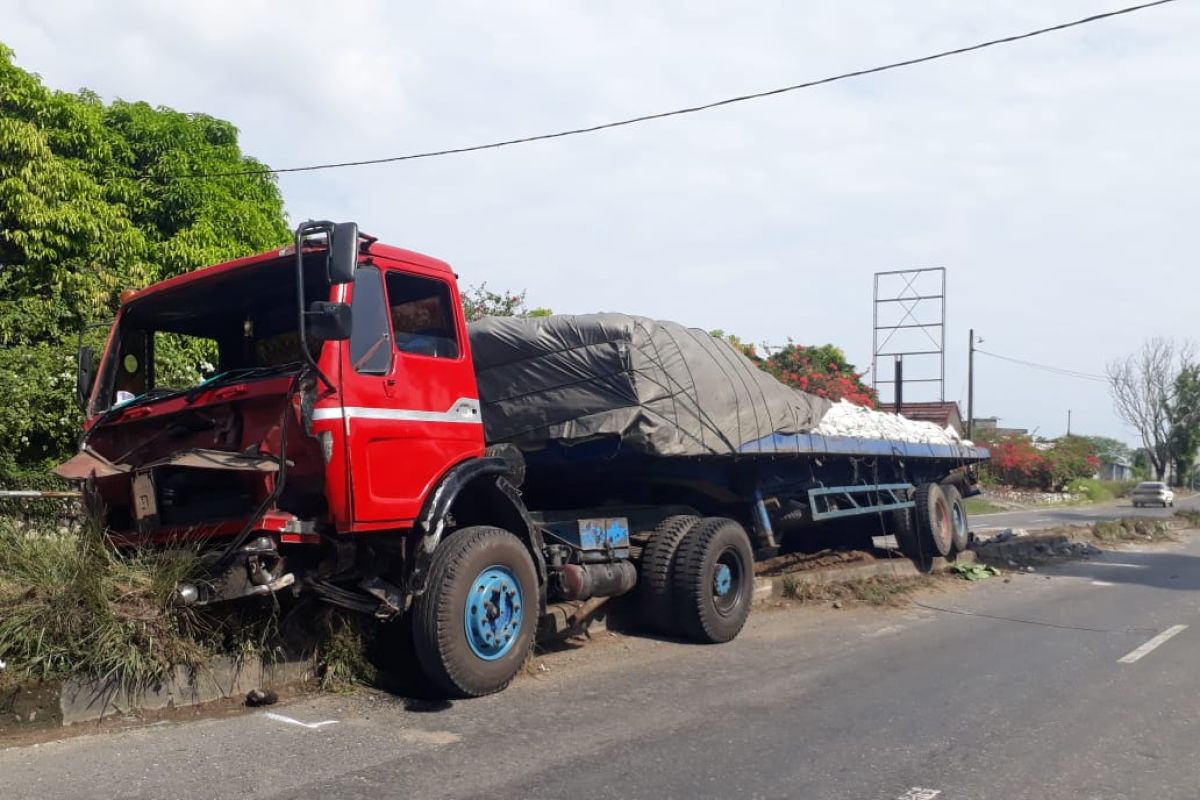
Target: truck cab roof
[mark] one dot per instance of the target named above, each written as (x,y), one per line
(370,247)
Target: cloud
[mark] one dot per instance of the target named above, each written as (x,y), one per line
(1053,178)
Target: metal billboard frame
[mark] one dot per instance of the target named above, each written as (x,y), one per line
(910,300)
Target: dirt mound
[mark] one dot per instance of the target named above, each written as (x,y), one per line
(802,562)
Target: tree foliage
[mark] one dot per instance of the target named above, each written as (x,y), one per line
(1184,415)
(1109,449)
(1146,390)
(480,301)
(821,370)
(1018,461)
(87,209)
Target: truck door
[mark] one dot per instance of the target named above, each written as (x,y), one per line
(410,402)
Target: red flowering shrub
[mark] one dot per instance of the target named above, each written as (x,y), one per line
(1016,461)
(823,371)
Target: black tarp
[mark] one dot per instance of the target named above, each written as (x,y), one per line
(659,387)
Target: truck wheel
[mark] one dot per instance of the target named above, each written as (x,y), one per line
(713,580)
(904,528)
(473,626)
(960,525)
(654,576)
(935,526)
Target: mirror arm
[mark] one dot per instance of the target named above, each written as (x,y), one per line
(301,231)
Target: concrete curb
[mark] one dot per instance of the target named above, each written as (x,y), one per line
(74,700)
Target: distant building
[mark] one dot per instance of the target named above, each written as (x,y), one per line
(991,426)
(1116,470)
(944,415)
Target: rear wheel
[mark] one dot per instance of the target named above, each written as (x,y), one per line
(935,528)
(654,576)
(960,525)
(473,626)
(713,580)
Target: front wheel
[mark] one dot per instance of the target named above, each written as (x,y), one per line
(713,580)
(473,626)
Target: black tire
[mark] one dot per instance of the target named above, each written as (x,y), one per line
(654,575)
(440,635)
(960,524)
(935,531)
(714,547)
(904,528)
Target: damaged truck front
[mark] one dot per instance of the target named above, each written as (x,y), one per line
(308,420)
(200,426)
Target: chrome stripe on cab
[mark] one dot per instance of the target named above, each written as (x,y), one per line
(465,409)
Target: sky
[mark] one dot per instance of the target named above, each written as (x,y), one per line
(1054,179)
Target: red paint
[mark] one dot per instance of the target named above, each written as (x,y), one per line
(378,472)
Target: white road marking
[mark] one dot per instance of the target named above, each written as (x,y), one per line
(1149,646)
(1117,564)
(1101,583)
(917,793)
(310,725)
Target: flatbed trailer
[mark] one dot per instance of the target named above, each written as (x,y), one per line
(773,487)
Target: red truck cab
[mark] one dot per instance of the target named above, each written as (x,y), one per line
(399,411)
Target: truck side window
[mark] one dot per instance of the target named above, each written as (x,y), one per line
(370,348)
(422,316)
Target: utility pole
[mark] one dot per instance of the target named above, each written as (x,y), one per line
(899,383)
(1068,422)
(971,388)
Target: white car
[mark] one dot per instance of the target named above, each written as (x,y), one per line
(1152,493)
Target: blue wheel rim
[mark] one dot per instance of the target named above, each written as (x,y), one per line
(728,581)
(494,613)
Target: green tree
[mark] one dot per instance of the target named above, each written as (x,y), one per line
(480,301)
(1109,449)
(1184,415)
(90,204)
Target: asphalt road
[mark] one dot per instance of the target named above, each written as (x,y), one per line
(1077,686)
(1050,516)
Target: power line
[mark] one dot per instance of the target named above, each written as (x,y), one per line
(678,111)
(1067,373)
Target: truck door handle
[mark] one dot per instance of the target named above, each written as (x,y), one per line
(389,386)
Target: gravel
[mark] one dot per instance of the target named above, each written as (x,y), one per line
(847,419)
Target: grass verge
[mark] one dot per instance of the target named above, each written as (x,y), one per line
(1189,515)
(977,505)
(1133,529)
(72,606)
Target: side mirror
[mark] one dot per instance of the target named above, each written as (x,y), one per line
(328,322)
(343,252)
(85,374)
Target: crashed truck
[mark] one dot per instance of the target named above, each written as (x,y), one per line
(347,436)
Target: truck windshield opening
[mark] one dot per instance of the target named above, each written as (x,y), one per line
(237,324)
